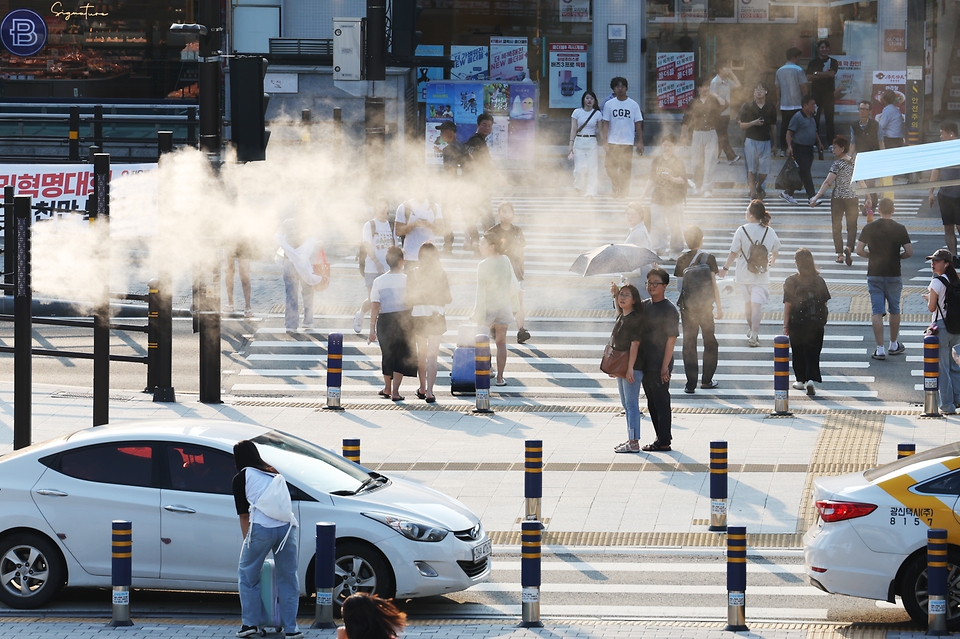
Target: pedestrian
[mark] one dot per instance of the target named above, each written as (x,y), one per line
(297,253)
(698,294)
(885,243)
(583,145)
(758,240)
(822,73)
(262,499)
(844,203)
(637,235)
(238,262)
(756,118)
(390,320)
(511,242)
(668,184)
(621,131)
(418,220)
(626,338)
(661,326)
(792,86)
(378,235)
(890,122)
(944,275)
(428,292)
(865,136)
(805,296)
(802,137)
(722,86)
(948,197)
(702,117)
(482,177)
(368,616)
(455,164)
(496,298)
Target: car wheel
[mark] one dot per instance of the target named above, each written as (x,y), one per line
(913,589)
(361,568)
(31,570)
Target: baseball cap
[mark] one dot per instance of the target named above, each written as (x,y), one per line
(941,254)
(447,126)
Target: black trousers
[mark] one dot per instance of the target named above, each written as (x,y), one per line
(806,342)
(723,137)
(840,209)
(658,405)
(826,107)
(693,321)
(803,154)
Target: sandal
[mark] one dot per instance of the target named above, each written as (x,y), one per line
(500,382)
(431,399)
(625,447)
(847,256)
(421,395)
(655,448)
(839,259)
(383,395)
(398,398)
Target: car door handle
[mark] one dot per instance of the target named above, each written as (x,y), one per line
(180,509)
(50,492)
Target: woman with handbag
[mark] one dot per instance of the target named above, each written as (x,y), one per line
(583,145)
(428,292)
(621,360)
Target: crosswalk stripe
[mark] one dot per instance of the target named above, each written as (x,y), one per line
(501,565)
(800,590)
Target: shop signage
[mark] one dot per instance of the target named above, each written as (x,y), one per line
(568,74)
(674,80)
(894,40)
(469,62)
(574,10)
(616,43)
(83,11)
(894,80)
(23,32)
(754,11)
(508,59)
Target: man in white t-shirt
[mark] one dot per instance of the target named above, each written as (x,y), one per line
(418,221)
(792,87)
(622,129)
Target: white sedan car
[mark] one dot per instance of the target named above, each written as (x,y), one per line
(870,539)
(172,480)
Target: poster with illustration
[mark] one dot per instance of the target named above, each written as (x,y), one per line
(568,74)
(894,80)
(496,98)
(508,59)
(434,145)
(469,62)
(849,83)
(468,102)
(428,74)
(523,99)
(499,137)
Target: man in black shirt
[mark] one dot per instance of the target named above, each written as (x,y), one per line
(661,326)
(454,157)
(821,72)
(865,136)
(756,118)
(696,309)
(481,172)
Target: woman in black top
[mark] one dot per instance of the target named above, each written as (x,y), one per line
(428,292)
(844,203)
(626,337)
(805,298)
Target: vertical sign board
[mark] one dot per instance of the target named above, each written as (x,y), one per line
(568,74)
(914,104)
(616,43)
(347,48)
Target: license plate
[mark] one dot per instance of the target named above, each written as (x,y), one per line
(483,550)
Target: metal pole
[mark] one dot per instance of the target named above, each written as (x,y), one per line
(22,324)
(324,576)
(100,218)
(736,579)
(937,582)
(531,535)
(931,376)
(781,376)
(9,237)
(192,126)
(906,450)
(209,324)
(208,78)
(374,115)
(334,370)
(153,314)
(122,571)
(351,450)
(337,129)
(533,479)
(482,373)
(718,487)
(305,118)
(163,390)
(98,125)
(74,134)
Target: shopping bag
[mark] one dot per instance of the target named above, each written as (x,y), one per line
(322,268)
(789,177)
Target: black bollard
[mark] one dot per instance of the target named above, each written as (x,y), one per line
(906,450)
(334,370)
(122,571)
(324,574)
(351,450)
(736,579)
(937,582)
(74,134)
(718,487)
(533,479)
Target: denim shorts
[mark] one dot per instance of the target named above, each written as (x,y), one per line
(884,289)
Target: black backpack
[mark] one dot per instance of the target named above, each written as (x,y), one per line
(951,304)
(697,289)
(808,309)
(759,259)
(362,253)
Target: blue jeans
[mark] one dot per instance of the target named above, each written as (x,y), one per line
(884,292)
(291,309)
(630,400)
(949,382)
(261,541)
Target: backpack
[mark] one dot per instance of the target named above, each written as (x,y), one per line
(362,252)
(759,259)
(951,304)
(697,289)
(808,309)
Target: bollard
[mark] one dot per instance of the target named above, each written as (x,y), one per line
(351,450)
(532,479)
(334,371)
(305,118)
(324,573)
(122,569)
(718,487)
(482,368)
(937,582)
(163,390)
(905,450)
(931,376)
(736,578)
(153,314)
(530,537)
(781,376)
(337,129)
(74,143)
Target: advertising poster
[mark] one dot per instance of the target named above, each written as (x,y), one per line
(428,74)
(508,59)
(568,74)
(883,80)
(693,10)
(434,145)
(523,101)
(468,103)
(469,62)
(753,11)
(849,83)
(574,10)
(439,97)
(675,87)
(499,138)
(496,98)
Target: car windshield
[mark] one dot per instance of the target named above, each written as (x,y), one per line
(947,451)
(309,466)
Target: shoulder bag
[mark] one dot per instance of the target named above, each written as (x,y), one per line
(614,362)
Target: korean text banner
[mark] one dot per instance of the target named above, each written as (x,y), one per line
(508,59)
(568,74)
(469,62)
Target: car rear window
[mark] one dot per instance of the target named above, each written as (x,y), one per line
(127,464)
(941,452)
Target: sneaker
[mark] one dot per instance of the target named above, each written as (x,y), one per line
(948,410)
(783,153)
(761,194)
(789,199)
(734,160)
(754,340)
(358,322)
(879,353)
(247,631)
(896,351)
(798,385)
(689,390)
(811,389)
(522,335)
(248,313)
(296,634)
(625,447)
(711,384)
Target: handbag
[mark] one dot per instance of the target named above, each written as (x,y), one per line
(322,268)
(789,177)
(614,362)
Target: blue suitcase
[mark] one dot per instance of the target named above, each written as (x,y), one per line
(270,597)
(463,373)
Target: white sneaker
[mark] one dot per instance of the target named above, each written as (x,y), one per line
(358,322)
(754,340)
(811,389)
(788,198)
(799,385)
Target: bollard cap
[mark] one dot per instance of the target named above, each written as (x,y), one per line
(781,340)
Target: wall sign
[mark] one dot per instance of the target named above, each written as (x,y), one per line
(23,32)
(616,43)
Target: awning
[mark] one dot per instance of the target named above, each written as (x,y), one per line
(871,165)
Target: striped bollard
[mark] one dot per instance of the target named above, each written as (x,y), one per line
(718,487)
(530,538)
(324,577)
(334,370)
(482,368)
(532,479)
(931,376)
(781,376)
(121,571)
(351,450)
(736,578)
(906,450)
(937,582)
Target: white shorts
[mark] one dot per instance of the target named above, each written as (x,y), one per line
(756,293)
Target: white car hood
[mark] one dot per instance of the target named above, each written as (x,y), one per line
(402,497)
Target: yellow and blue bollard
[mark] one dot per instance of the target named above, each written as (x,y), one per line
(906,450)
(351,450)
(121,571)
(531,535)
(324,577)
(781,376)
(931,376)
(533,479)
(482,368)
(736,579)
(718,487)
(334,370)
(937,582)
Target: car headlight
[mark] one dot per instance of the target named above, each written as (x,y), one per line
(410,529)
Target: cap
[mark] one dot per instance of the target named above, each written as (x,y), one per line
(447,126)
(941,254)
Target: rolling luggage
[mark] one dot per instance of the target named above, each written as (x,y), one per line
(270,596)
(463,374)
